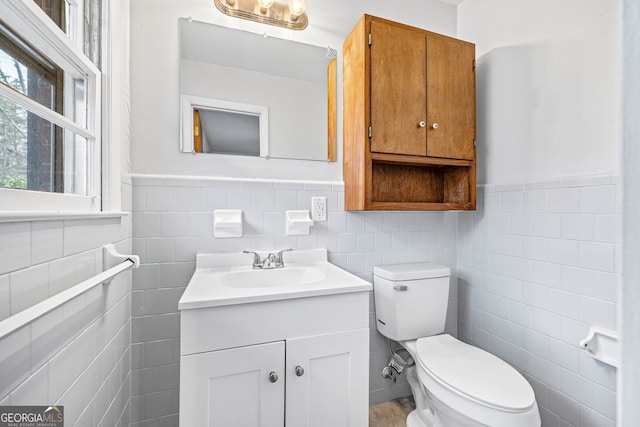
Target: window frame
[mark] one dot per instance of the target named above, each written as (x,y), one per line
(29,21)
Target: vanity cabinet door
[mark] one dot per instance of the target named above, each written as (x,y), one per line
(238,387)
(328,380)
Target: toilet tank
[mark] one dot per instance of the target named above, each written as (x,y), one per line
(411,300)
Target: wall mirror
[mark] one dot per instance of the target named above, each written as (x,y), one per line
(243,93)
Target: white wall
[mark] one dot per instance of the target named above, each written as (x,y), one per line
(173,220)
(79,354)
(539,261)
(538,264)
(548,87)
(547,108)
(165,204)
(629,376)
(155,65)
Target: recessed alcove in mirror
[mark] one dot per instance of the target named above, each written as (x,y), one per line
(294,82)
(223,127)
(228,132)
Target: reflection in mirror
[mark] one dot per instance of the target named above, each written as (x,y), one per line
(295,82)
(223,127)
(228,132)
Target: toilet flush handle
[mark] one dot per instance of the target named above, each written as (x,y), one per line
(400,287)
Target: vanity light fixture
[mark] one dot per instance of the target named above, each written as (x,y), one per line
(264,5)
(291,15)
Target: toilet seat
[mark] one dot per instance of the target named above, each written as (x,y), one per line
(466,371)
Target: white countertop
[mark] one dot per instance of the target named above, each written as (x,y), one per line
(210,287)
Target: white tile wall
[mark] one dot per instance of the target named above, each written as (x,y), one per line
(28,287)
(172,221)
(15,251)
(534,266)
(537,266)
(77,355)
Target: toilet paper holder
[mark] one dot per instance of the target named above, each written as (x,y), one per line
(602,344)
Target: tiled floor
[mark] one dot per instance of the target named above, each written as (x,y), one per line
(391,414)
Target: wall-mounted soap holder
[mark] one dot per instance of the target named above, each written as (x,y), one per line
(602,344)
(227,223)
(297,223)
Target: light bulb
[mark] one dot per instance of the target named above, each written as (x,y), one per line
(296,8)
(265,5)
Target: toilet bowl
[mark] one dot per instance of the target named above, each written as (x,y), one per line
(466,386)
(454,384)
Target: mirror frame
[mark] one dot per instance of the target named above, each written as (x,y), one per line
(332,111)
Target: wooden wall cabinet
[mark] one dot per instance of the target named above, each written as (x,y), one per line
(409,119)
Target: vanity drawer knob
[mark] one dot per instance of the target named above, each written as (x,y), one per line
(299,371)
(422,124)
(273,377)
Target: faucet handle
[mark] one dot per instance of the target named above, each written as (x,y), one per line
(257,262)
(279,260)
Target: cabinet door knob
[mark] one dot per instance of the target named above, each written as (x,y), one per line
(422,124)
(273,377)
(299,371)
(434,126)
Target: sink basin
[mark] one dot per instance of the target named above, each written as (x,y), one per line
(223,279)
(270,278)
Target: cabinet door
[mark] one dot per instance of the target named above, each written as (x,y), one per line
(451,98)
(232,388)
(328,380)
(398,89)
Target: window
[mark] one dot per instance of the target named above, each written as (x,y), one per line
(50,153)
(30,146)
(56,10)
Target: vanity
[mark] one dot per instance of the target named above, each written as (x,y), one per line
(274,347)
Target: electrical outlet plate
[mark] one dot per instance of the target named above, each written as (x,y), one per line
(319,208)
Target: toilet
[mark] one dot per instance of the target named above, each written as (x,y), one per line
(453,383)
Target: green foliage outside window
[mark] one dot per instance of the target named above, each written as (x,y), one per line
(13,140)
(13,182)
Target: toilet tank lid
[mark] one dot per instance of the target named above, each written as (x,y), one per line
(424,270)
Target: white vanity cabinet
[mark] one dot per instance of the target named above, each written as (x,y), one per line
(286,347)
(333,386)
(314,381)
(233,387)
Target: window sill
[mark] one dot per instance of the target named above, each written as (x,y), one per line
(57,216)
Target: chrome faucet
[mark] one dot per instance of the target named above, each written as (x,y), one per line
(270,261)
(279,259)
(257,263)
